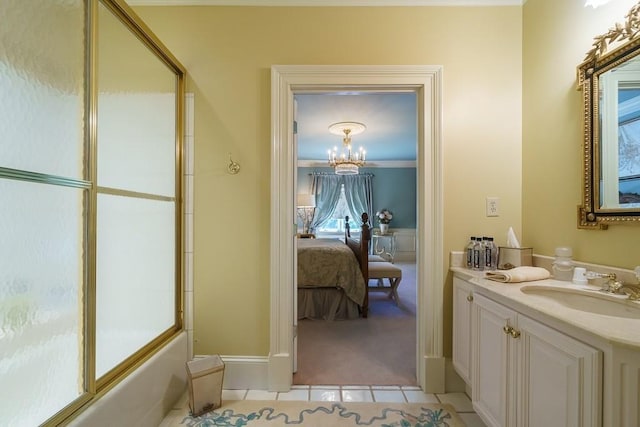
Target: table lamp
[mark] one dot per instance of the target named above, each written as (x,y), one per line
(306,209)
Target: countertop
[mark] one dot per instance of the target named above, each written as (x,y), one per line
(618,330)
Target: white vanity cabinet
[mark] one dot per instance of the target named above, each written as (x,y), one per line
(462,303)
(493,358)
(527,374)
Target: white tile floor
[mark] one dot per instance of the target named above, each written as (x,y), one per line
(395,394)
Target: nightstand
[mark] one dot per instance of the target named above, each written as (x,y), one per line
(383,244)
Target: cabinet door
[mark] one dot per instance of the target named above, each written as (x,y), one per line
(462,303)
(559,378)
(493,371)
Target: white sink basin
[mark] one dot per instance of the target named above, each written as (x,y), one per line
(586,300)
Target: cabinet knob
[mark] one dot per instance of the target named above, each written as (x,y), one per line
(469,297)
(510,331)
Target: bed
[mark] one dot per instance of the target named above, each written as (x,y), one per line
(331,278)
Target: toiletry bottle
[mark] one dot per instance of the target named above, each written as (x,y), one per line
(478,255)
(490,255)
(486,253)
(563,264)
(469,250)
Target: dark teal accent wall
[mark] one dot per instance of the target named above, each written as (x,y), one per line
(393,189)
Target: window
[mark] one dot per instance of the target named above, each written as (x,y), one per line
(336,223)
(629,146)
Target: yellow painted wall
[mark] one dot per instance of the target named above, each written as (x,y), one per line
(126,64)
(556,37)
(228,52)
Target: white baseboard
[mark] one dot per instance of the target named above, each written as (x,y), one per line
(252,372)
(434,374)
(245,372)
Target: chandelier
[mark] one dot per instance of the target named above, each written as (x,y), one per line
(348,162)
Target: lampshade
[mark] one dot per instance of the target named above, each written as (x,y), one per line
(346,169)
(306,200)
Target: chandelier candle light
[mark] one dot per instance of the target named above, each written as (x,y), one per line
(348,162)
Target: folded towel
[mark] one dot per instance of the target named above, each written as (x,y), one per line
(518,274)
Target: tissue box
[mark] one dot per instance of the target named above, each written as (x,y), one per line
(514,257)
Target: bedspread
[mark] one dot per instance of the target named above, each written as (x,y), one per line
(329,263)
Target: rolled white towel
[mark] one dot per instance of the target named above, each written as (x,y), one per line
(519,274)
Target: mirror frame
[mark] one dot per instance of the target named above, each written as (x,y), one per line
(625,40)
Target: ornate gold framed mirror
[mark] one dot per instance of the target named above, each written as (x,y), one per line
(610,82)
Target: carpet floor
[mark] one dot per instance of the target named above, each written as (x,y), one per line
(324,414)
(378,350)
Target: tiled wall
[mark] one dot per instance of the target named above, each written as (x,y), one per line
(188,223)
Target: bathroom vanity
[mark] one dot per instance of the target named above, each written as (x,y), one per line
(546,353)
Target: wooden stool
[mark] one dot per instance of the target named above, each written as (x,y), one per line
(385,270)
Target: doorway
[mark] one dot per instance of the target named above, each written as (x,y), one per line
(425,81)
(380,349)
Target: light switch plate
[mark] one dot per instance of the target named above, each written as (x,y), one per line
(493,206)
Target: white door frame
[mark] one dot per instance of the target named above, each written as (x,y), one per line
(426,82)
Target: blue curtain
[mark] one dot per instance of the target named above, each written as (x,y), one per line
(326,188)
(358,190)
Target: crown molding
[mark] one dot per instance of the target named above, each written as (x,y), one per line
(326,2)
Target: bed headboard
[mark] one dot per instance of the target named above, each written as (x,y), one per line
(360,248)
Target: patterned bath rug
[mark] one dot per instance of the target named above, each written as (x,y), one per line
(255,413)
